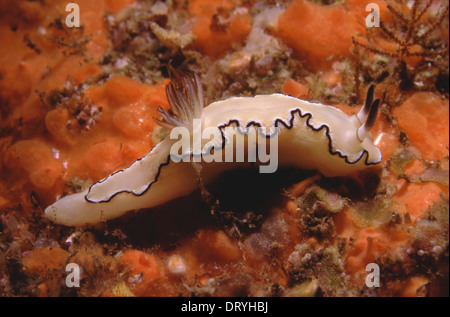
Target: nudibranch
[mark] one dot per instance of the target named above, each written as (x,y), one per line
(308,135)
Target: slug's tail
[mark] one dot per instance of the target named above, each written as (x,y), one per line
(149,182)
(368,114)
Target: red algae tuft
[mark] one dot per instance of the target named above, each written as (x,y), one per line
(144,270)
(424,117)
(41,261)
(311,30)
(214,37)
(36,158)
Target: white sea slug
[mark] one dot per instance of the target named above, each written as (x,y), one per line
(309,136)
